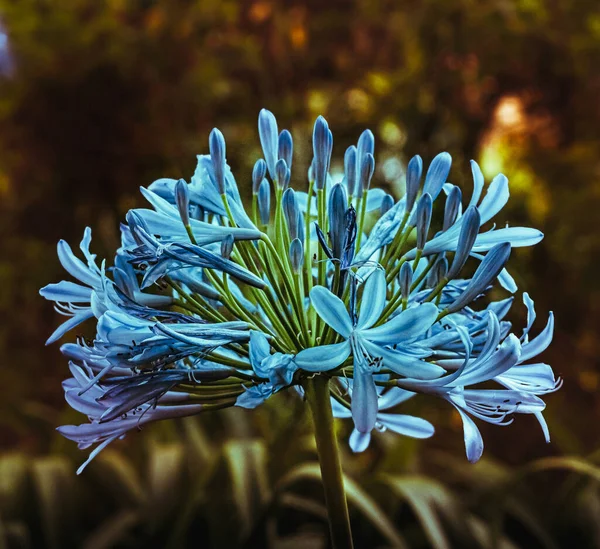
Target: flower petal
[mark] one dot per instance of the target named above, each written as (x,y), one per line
(67,292)
(473,439)
(405,326)
(332,310)
(69,324)
(373,300)
(359,442)
(323,358)
(364,400)
(409,426)
(540,343)
(403,364)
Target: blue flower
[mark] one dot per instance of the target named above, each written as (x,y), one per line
(202,289)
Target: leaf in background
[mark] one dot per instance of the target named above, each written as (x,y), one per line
(113,532)
(166,485)
(117,475)
(247,465)
(14,480)
(426,497)
(357,497)
(54,484)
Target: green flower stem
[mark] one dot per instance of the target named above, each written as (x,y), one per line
(393,246)
(392,274)
(361,218)
(317,394)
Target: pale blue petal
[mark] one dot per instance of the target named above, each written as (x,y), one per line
(364,400)
(259,350)
(501,361)
(478,183)
(535,376)
(529,304)
(405,326)
(332,310)
(507,281)
(323,358)
(517,236)
(67,292)
(69,325)
(393,397)
(540,343)
(404,365)
(373,300)
(75,267)
(409,426)
(543,425)
(359,442)
(495,198)
(473,439)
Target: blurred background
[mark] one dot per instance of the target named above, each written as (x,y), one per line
(98,97)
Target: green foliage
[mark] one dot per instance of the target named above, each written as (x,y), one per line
(197,491)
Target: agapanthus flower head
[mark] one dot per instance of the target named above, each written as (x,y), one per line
(296,285)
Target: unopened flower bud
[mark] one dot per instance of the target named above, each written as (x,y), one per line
(436,174)
(296,255)
(258,174)
(291,212)
(227,246)
(216,144)
(413,181)
(267,131)
(286,148)
(452,207)
(468,233)
(423,219)
(182,199)
(264,201)
(350,171)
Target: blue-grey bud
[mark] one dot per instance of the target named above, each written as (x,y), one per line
(423,219)
(258,174)
(264,201)
(227,246)
(413,181)
(466,239)
(438,272)
(338,202)
(366,145)
(488,270)
(267,131)
(405,279)
(216,144)
(282,174)
(453,203)
(291,212)
(182,199)
(322,145)
(296,255)
(367,167)
(350,171)
(387,202)
(436,174)
(286,148)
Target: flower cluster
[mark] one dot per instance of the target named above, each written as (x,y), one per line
(208,305)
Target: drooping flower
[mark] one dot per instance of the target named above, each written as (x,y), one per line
(296,286)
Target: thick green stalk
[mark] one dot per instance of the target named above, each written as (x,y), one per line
(317,394)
